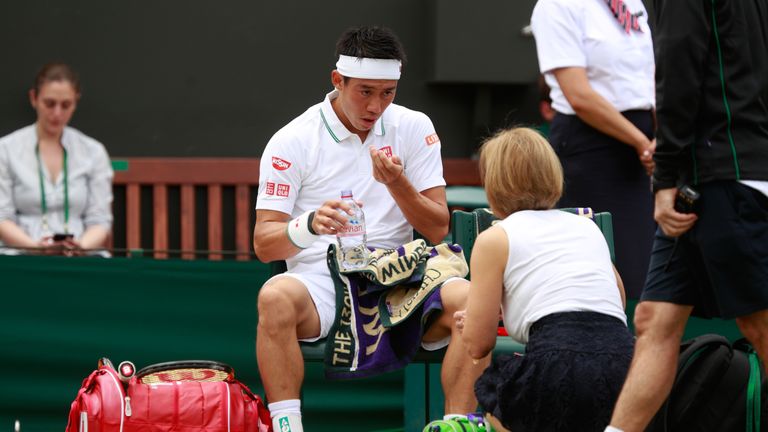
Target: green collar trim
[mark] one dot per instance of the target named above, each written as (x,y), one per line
(328,127)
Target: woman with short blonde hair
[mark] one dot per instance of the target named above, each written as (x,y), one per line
(551,274)
(531,182)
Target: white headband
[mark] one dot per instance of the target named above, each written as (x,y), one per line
(368,68)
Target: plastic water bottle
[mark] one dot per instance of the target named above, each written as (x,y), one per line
(352,237)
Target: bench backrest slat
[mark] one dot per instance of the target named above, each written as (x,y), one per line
(133,216)
(216,177)
(160,219)
(187,221)
(242,221)
(214,221)
(213,175)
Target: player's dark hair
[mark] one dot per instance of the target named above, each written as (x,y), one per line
(370,42)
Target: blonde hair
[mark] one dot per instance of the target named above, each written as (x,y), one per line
(520,171)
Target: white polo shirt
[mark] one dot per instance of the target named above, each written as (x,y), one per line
(314,157)
(585,33)
(557,262)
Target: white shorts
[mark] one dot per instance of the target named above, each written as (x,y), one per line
(323,294)
(436,345)
(321,289)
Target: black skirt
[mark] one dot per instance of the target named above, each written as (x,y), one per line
(568,380)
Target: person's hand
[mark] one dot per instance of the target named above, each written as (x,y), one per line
(673,224)
(646,157)
(331,216)
(459,317)
(70,247)
(47,246)
(66,247)
(386,170)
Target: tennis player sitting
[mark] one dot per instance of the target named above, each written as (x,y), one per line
(550,271)
(389,156)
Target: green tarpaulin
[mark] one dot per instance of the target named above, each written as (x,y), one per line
(59,315)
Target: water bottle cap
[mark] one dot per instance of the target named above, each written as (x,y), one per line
(346,193)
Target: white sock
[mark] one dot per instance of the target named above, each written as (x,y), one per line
(286,415)
(612,429)
(453,416)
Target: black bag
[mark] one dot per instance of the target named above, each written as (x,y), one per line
(718,387)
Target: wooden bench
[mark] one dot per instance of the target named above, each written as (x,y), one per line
(202,207)
(148,182)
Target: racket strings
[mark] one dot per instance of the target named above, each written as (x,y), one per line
(186,374)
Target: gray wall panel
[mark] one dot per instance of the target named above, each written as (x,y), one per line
(193,78)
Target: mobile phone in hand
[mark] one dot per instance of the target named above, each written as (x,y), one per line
(58,237)
(685,201)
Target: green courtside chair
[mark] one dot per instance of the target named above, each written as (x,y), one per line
(465,226)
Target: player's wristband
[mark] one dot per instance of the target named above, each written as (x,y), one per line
(309,222)
(299,231)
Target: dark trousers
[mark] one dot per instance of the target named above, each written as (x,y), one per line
(606,175)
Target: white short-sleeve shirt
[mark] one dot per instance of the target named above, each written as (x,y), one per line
(558,262)
(314,157)
(586,33)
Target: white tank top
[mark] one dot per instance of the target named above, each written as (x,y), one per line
(558,262)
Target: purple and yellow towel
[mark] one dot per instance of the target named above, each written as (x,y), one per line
(383,309)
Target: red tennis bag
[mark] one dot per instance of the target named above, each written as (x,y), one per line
(187,396)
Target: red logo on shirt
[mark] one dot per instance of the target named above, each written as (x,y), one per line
(387,150)
(280,164)
(283,189)
(432,139)
(270,188)
(626,18)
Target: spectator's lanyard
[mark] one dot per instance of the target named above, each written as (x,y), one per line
(43,204)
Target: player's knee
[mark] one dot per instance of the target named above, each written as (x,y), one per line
(643,319)
(454,295)
(275,308)
(653,321)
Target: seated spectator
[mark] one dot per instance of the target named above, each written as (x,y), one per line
(550,271)
(55,182)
